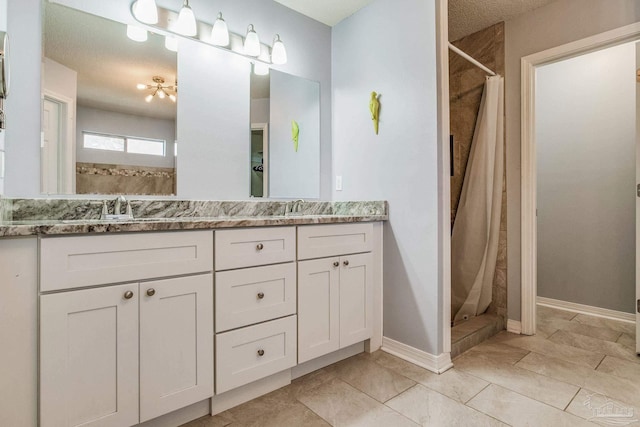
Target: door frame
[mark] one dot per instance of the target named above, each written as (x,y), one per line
(264,127)
(68,132)
(528,189)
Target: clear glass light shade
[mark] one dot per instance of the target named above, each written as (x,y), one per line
(186,25)
(141,86)
(220,32)
(252,42)
(146,11)
(171,43)
(136,33)
(260,69)
(278,51)
(148,98)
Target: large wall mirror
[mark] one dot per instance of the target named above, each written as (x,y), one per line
(109,107)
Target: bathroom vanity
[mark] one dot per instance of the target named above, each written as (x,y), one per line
(162,320)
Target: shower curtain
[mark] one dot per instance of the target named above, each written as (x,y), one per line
(474,242)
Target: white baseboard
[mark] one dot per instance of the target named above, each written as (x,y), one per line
(514,326)
(437,364)
(587,309)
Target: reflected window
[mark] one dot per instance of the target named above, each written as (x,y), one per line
(150,147)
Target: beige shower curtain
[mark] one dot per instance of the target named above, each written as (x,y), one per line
(474,243)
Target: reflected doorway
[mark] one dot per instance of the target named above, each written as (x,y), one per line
(259,160)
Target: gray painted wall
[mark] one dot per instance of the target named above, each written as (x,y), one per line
(553,25)
(390,47)
(585,141)
(3,27)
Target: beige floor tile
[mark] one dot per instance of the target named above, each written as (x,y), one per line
(548,390)
(208,421)
(592,406)
(372,378)
(559,350)
(295,415)
(581,376)
(543,312)
(264,406)
(518,410)
(616,325)
(550,326)
(342,405)
(595,345)
(620,368)
(497,350)
(627,340)
(429,408)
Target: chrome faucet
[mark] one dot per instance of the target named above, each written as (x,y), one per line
(117,210)
(294,208)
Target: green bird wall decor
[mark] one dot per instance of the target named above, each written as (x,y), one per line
(374,107)
(295,134)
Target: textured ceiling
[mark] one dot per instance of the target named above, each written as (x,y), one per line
(109,64)
(468,16)
(329,12)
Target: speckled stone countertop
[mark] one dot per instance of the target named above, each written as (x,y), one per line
(30,217)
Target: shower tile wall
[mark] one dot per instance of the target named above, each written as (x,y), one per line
(466,83)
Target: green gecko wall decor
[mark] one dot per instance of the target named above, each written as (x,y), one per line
(295,134)
(374,107)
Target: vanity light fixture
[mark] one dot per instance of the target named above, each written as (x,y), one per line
(252,42)
(136,33)
(159,89)
(171,43)
(260,69)
(146,11)
(220,32)
(278,51)
(187,25)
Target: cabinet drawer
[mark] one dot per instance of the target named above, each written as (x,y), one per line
(254,295)
(254,352)
(254,247)
(79,261)
(318,241)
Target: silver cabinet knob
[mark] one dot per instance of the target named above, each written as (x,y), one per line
(346,262)
(260,352)
(151,292)
(128,295)
(261,295)
(260,246)
(336,264)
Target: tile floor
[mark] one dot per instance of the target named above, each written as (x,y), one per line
(575,366)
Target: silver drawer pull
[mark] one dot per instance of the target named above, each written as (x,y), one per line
(151,292)
(260,352)
(346,262)
(128,295)
(260,246)
(261,295)
(336,264)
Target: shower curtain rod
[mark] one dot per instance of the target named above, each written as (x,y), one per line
(470,59)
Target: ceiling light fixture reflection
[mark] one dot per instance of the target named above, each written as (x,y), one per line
(260,69)
(159,89)
(252,42)
(146,11)
(171,43)
(186,25)
(136,34)
(278,51)
(220,32)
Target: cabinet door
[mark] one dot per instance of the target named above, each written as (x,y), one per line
(89,357)
(356,298)
(176,344)
(318,308)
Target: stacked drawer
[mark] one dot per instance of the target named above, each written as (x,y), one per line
(255,304)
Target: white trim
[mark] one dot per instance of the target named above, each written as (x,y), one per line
(444,174)
(437,364)
(587,309)
(528,154)
(514,326)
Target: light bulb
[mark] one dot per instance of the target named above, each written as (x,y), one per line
(172,97)
(278,52)
(187,25)
(252,42)
(149,98)
(136,33)
(146,11)
(220,32)
(171,43)
(161,93)
(260,69)
(141,86)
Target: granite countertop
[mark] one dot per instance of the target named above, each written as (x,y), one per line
(31,217)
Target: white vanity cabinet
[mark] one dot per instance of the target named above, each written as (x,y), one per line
(335,293)
(117,355)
